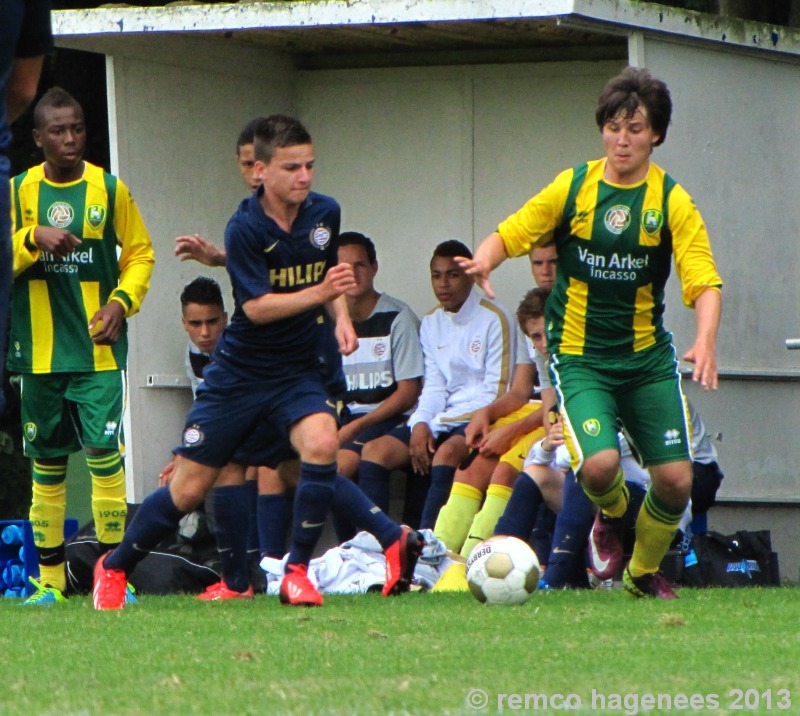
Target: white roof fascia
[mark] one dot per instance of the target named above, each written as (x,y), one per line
(613,16)
(296,13)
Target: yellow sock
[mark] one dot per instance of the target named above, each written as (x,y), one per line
(483,525)
(455,517)
(613,501)
(109,507)
(48,507)
(655,527)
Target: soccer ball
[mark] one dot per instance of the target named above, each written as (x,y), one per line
(502,570)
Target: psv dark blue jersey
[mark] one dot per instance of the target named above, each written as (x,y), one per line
(262,259)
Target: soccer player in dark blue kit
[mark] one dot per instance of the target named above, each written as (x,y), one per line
(281,247)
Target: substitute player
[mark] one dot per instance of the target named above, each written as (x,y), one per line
(618,222)
(281,256)
(72,295)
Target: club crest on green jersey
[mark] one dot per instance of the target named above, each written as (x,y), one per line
(320,236)
(30,431)
(617,219)
(652,221)
(591,427)
(60,214)
(95,215)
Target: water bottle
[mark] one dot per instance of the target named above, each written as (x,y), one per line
(12,574)
(12,534)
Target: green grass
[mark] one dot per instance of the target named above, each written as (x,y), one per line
(418,654)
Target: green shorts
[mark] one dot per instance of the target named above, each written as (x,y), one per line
(65,412)
(640,392)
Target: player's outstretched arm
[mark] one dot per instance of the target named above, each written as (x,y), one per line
(276,306)
(489,255)
(703,354)
(22,84)
(196,248)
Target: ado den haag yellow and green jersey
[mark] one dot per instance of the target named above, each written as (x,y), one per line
(54,298)
(615,246)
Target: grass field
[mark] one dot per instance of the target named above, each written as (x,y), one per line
(416,654)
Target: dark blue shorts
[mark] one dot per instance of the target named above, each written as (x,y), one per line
(264,447)
(249,420)
(373,432)
(403,434)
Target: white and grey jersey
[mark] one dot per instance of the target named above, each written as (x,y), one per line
(541,364)
(195,362)
(703,450)
(388,351)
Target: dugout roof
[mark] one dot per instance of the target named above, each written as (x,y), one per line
(327,34)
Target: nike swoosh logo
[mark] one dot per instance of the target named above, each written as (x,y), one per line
(267,250)
(438,348)
(558,550)
(356,442)
(310,525)
(599,564)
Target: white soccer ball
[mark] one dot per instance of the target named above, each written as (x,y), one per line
(502,570)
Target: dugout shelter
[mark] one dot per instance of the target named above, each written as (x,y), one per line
(434,120)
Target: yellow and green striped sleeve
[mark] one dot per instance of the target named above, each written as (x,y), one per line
(534,223)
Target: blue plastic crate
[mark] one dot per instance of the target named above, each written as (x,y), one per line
(18,555)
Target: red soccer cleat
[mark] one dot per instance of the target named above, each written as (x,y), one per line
(297,589)
(110,586)
(220,591)
(648,585)
(401,558)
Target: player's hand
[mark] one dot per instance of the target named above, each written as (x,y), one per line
(58,242)
(348,432)
(554,438)
(498,441)
(196,248)
(479,271)
(477,427)
(704,360)
(340,278)
(166,473)
(106,325)
(421,448)
(346,338)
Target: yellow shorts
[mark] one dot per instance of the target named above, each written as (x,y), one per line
(516,455)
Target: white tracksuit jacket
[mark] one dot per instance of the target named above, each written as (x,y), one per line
(469,361)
